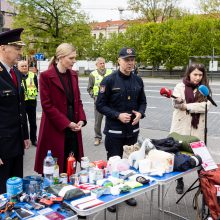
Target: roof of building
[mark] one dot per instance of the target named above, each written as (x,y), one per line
(103,25)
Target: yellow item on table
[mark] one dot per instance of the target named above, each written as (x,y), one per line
(133,184)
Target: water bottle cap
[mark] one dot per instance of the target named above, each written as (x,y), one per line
(49,153)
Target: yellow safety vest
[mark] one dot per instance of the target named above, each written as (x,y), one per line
(98,79)
(30,88)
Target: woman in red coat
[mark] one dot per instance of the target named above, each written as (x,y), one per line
(63,115)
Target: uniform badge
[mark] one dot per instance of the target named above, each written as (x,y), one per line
(102,89)
(129,51)
(1,69)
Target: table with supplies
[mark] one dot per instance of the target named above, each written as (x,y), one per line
(89,205)
(24,210)
(84,206)
(106,201)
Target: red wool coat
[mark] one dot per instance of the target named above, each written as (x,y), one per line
(54,117)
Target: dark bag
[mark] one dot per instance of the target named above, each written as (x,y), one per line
(182,162)
(184,141)
(208,180)
(167,144)
(71,193)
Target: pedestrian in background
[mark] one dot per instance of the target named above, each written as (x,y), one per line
(189,107)
(63,116)
(95,79)
(13,121)
(122,100)
(30,85)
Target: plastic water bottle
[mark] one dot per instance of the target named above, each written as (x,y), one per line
(48,169)
(56,174)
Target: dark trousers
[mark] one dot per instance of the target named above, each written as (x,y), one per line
(114,146)
(70,145)
(30,107)
(11,167)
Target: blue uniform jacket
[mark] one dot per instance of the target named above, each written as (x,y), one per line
(119,94)
(13,121)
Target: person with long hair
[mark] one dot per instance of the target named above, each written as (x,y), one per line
(63,116)
(189,107)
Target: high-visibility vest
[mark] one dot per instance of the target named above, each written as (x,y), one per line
(98,79)
(30,87)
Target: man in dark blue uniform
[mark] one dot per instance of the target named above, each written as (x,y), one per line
(122,100)
(13,122)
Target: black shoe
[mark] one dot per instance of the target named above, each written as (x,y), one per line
(34,143)
(81,217)
(180,186)
(112,208)
(131,202)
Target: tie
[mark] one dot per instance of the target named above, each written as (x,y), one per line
(14,78)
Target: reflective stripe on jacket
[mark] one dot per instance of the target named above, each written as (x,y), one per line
(30,87)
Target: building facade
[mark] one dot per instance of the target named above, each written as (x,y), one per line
(6,15)
(107,28)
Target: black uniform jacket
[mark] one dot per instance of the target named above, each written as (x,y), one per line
(13,121)
(119,94)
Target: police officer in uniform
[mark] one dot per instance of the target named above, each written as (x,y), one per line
(13,123)
(122,100)
(30,85)
(95,79)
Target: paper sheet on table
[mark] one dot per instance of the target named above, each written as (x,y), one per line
(200,149)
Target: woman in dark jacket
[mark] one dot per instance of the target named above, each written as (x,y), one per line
(63,115)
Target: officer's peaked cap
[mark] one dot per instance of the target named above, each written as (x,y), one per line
(12,37)
(126,52)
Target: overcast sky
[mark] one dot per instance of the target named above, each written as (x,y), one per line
(102,10)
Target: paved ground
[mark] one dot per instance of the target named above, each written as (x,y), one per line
(184,208)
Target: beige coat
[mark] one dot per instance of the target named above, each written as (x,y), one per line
(181,121)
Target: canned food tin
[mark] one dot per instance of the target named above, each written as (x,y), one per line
(84,177)
(74,179)
(92,176)
(85,163)
(99,174)
(63,177)
(14,186)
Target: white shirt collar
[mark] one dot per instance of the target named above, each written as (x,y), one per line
(6,67)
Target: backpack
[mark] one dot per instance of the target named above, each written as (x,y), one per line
(208,180)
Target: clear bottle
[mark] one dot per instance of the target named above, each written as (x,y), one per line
(56,173)
(48,168)
(85,163)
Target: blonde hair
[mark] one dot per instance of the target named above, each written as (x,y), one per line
(62,50)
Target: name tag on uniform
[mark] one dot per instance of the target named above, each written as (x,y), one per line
(7,93)
(116,89)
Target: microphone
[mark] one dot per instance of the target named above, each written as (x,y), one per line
(167,93)
(205,91)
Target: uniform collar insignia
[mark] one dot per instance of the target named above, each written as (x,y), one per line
(1,69)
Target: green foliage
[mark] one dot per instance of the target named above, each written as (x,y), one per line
(97,49)
(48,23)
(156,10)
(170,43)
(209,6)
